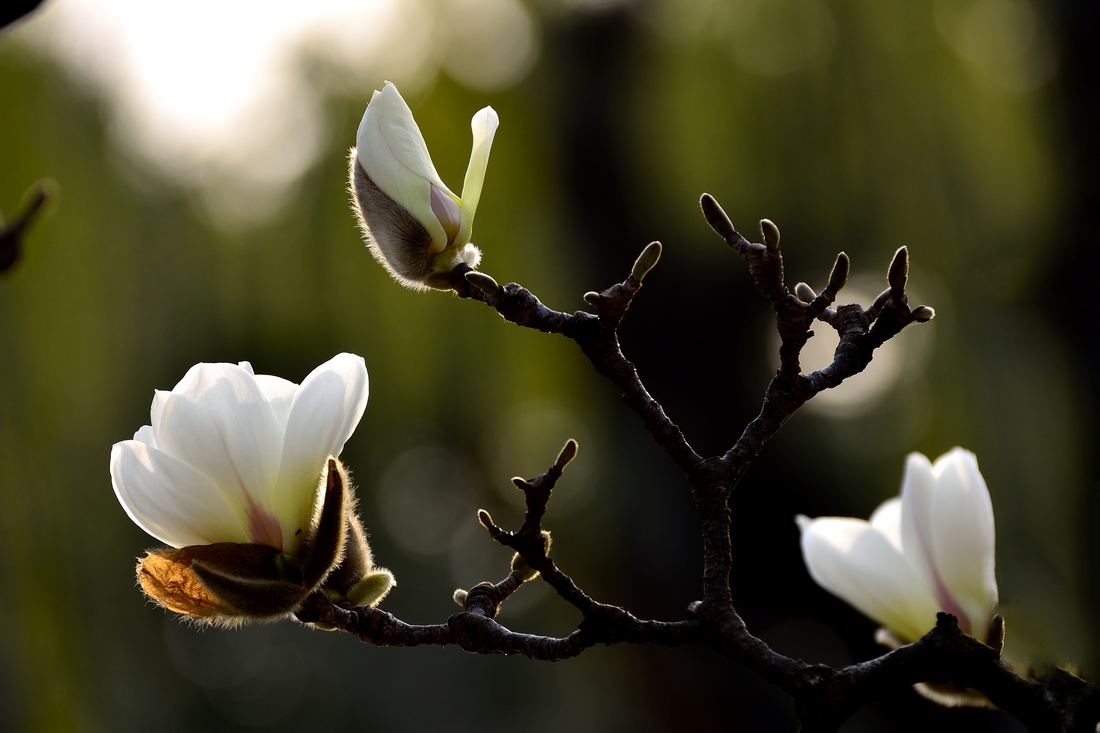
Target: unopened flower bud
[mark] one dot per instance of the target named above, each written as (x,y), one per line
(413,224)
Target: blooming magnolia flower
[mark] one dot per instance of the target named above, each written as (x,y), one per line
(238,472)
(413,224)
(929,550)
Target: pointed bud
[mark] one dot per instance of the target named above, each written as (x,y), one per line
(483,282)
(838,278)
(326,546)
(567,454)
(898,273)
(805,293)
(646,260)
(717,218)
(485,519)
(372,589)
(996,638)
(923,314)
(770,233)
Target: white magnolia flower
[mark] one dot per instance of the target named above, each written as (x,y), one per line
(414,225)
(231,456)
(929,550)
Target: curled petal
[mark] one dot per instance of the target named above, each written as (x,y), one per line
(858,563)
(145,435)
(324,414)
(169,500)
(484,126)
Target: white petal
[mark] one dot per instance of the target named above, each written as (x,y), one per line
(247,366)
(160,397)
(484,126)
(325,412)
(917,485)
(145,435)
(393,153)
(887,519)
(170,501)
(858,563)
(963,536)
(279,393)
(218,422)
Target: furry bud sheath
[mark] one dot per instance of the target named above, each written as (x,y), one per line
(413,224)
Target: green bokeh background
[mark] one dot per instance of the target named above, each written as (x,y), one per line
(889,139)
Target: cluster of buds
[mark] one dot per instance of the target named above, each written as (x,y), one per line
(238,474)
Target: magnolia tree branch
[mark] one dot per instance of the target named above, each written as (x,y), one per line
(824,697)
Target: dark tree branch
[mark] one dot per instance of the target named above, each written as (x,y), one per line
(824,697)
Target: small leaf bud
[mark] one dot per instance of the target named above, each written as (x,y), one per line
(459,597)
(485,519)
(520,565)
(483,282)
(592,297)
(996,638)
(372,589)
(805,292)
(568,453)
(898,273)
(717,218)
(923,313)
(770,233)
(646,260)
(838,278)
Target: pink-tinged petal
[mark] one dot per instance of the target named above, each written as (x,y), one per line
(170,501)
(963,536)
(218,422)
(325,412)
(858,563)
(392,152)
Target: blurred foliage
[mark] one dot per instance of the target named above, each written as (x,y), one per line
(854,126)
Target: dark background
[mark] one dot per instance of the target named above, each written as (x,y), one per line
(856,126)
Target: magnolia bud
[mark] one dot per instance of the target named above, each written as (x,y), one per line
(413,224)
